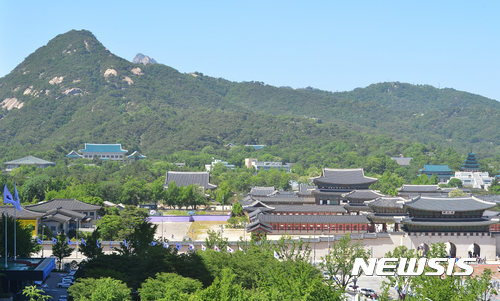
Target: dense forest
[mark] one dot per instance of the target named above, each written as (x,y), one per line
(74,90)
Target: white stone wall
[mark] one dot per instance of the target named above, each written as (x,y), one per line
(109,156)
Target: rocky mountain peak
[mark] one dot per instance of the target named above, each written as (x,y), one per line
(143,59)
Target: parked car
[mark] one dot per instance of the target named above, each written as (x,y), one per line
(63,298)
(64,284)
(39,283)
(368,292)
(67,280)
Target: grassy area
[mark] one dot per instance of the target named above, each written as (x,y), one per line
(201,227)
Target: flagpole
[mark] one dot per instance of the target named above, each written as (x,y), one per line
(5,217)
(15,235)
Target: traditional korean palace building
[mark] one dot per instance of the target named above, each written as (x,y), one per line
(411,191)
(449,215)
(297,219)
(182,178)
(65,214)
(336,182)
(387,210)
(29,160)
(112,152)
(443,172)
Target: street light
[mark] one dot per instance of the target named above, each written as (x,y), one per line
(43,231)
(314,245)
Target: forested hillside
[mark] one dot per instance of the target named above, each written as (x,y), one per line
(74,90)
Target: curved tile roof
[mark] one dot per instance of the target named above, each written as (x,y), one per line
(182,178)
(355,219)
(390,202)
(29,160)
(419,188)
(365,194)
(448,204)
(68,204)
(344,176)
(103,148)
(450,222)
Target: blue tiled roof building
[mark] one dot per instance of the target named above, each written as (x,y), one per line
(443,172)
(104,151)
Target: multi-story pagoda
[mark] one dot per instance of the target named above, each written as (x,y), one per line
(463,214)
(470,163)
(335,182)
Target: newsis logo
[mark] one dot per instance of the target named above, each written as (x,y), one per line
(405,267)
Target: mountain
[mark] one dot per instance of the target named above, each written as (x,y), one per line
(74,90)
(143,59)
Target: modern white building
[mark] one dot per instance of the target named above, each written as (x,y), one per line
(477,180)
(259,165)
(216,161)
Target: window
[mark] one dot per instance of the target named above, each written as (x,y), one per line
(52,228)
(91,213)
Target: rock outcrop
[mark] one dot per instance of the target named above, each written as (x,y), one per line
(143,59)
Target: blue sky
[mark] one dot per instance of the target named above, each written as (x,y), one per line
(330,45)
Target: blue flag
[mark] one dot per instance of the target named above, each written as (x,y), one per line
(17,203)
(166,245)
(125,243)
(54,240)
(7,197)
(38,240)
(83,242)
(178,246)
(97,242)
(68,241)
(153,243)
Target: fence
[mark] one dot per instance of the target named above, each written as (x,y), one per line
(186,219)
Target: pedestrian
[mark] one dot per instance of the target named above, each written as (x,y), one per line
(172,236)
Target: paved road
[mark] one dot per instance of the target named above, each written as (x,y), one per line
(50,287)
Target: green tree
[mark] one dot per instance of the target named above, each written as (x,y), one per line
(402,281)
(340,261)
(90,249)
(455,183)
(25,245)
(237,209)
(224,289)
(456,193)
(90,289)
(168,286)
(61,249)
(35,294)
(173,194)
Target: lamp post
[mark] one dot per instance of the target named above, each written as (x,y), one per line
(329,239)
(314,245)
(245,231)
(221,231)
(43,232)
